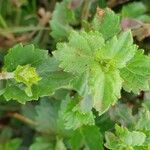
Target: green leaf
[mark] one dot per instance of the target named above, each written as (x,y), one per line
(96,66)
(136,10)
(105,88)
(12,144)
(49,109)
(72,116)
(46,68)
(41,143)
(102,120)
(60,145)
(106,22)
(133,10)
(89,132)
(124,139)
(137,73)
(120,49)
(78,54)
(146,103)
(82,137)
(52,123)
(143,122)
(22,55)
(144,18)
(122,113)
(112,141)
(133,138)
(27,75)
(76,140)
(62,17)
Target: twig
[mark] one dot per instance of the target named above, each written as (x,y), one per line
(6,75)
(22,118)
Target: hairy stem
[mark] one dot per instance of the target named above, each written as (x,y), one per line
(6,75)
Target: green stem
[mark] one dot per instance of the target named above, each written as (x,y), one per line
(2,22)
(22,118)
(6,75)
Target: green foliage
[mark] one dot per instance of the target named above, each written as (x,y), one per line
(48,123)
(46,67)
(27,75)
(41,143)
(88,66)
(100,63)
(122,114)
(138,124)
(62,17)
(131,11)
(8,143)
(136,74)
(124,139)
(82,138)
(136,10)
(103,22)
(72,115)
(143,120)
(13,144)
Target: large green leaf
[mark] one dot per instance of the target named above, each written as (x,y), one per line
(120,49)
(96,66)
(41,143)
(46,67)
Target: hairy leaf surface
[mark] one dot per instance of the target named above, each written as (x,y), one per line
(96,65)
(46,67)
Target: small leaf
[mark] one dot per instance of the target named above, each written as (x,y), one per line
(137,72)
(60,145)
(27,75)
(106,22)
(36,64)
(62,17)
(133,10)
(72,116)
(82,137)
(143,122)
(124,139)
